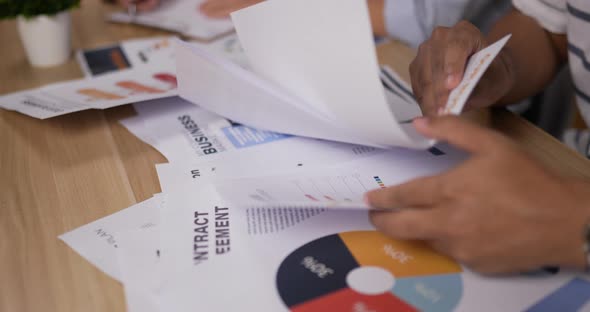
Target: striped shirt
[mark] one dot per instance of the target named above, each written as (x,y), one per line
(412,21)
(572,18)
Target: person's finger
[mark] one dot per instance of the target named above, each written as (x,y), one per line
(439,92)
(409,224)
(464,41)
(124,3)
(204,7)
(223,8)
(460,133)
(214,8)
(422,81)
(421,192)
(441,246)
(449,62)
(147,5)
(416,72)
(428,102)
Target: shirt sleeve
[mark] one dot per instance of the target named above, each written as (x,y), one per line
(412,21)
(550,14)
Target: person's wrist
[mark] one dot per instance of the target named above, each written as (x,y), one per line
(577,244)
(507,66)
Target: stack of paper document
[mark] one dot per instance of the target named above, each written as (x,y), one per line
(128,72)
(248,214)
(106,91)
(256,220)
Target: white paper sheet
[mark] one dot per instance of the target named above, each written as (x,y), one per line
(179,179)
(237,94)
(185,132)
(136,126)
(264,262)
(397,89)
(475,69)
(295,158)
(204,263)
(397,84)
(227,47)
(138,261)
(181,16)
(329,61)
(341,185)
(178,129)
(103,92)
(97,241)
(269,160)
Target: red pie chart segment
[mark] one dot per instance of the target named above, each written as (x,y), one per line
(350,300)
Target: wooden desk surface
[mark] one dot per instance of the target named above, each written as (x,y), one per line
(61,173)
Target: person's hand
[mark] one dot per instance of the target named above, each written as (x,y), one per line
(222,8)
(498,212)
(439,66)
(142,5)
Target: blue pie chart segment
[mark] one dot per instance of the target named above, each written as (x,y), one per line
(431,292)
(573,296)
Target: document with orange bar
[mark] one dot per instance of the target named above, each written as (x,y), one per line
(102,92)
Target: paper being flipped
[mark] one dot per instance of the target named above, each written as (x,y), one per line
(315,74)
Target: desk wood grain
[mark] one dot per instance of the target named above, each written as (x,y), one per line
(61,173)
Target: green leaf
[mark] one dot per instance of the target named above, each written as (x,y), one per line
(32,8)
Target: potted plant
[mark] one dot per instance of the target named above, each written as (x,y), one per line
(44,27)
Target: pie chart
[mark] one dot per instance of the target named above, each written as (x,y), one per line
(367,271)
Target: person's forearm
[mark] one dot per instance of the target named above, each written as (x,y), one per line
(534,54)
(376,12)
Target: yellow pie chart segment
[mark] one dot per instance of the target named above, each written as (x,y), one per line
(400,258)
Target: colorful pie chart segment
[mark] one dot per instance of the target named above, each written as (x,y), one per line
(573,296)
(401,258)
(430,293)
(366,271)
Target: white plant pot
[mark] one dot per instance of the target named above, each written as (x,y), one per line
(46,38)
